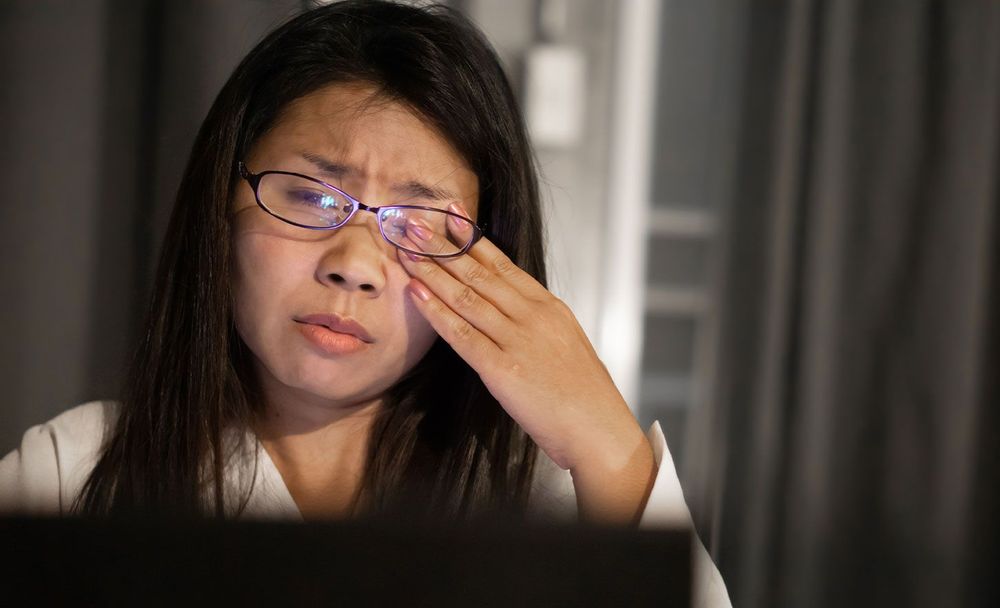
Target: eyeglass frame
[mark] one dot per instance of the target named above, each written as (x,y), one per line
(254,179)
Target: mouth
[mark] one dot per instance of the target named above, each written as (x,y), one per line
(337,324)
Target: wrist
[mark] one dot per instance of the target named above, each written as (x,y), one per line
(613,480)
(605,447)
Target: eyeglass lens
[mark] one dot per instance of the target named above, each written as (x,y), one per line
(308,203)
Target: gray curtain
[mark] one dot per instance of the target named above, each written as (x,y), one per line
(854,430)
(99,105)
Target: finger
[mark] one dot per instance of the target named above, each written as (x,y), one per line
(463,298)
(474,347)
(460,232)
(464,284)
(422,237)
(496,262)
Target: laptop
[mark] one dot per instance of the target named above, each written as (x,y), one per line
(362,563)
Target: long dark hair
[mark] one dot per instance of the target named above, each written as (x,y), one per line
(445,447)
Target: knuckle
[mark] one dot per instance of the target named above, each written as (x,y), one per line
(476,274)
(466,297)
(556,309)
(502,265)
(461,329)
(562,308)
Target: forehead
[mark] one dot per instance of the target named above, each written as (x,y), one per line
(376,143)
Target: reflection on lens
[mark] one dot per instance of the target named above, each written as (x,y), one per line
(303,201)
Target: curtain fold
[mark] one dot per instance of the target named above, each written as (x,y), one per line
(100,102)
(856,351)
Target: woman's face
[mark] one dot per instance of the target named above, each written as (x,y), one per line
(291,283)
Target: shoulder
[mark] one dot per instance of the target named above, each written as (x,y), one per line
(46,472)
(81,425)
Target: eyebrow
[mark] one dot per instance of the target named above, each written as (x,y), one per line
(411,188)
(326,166)
(416,189)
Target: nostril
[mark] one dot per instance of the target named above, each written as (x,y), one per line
(339,279)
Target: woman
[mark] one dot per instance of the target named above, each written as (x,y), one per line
(349,316)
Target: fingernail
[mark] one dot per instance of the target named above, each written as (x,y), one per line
(420,232)
(456,223)
(458,208)
(420,291)
(413,257)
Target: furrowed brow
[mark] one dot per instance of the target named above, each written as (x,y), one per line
(415,189)
(328,167)
(410,189)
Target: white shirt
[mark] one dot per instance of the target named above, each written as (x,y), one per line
(45,475)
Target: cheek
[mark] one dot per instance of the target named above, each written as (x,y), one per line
(261,275)
(420,336)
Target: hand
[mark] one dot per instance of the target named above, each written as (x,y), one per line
(531,353)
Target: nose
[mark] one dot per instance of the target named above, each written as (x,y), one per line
(353,259)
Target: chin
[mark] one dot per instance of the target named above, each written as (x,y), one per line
(343,387)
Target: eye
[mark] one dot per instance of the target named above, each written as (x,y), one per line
(314,197)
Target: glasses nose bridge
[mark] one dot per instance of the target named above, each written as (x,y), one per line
(373,209)
(359,206)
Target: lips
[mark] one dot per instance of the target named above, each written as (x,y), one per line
(338,324)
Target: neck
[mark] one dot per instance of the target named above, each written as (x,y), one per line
(319,449)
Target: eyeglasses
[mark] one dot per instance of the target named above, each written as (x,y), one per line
(309,203)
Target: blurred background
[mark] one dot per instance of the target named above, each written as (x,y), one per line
(777,221)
